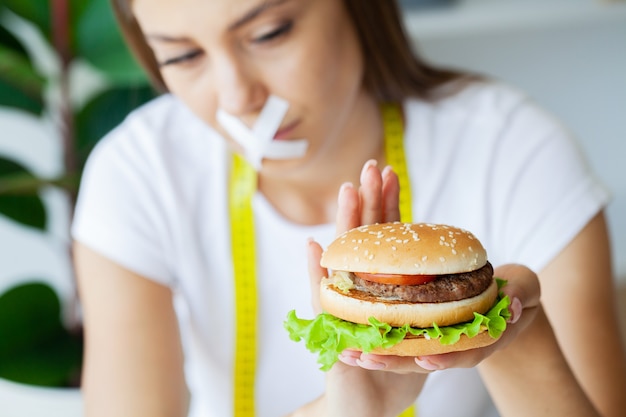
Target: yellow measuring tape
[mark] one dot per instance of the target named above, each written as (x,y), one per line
(394,153)
(243,183)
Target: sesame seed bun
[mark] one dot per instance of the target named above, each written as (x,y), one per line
(405,248)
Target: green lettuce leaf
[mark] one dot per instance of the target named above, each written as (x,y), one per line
(328,335)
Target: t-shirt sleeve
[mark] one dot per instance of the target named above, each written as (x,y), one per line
(545,191)
(119,210)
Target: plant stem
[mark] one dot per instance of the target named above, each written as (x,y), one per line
(61,40)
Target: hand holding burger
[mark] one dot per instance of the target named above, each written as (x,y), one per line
(376,201)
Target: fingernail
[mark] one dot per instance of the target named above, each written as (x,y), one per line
(345,186)
(387,170)
(342,189)
(348,359)
(368,164)
(371,365)
(516,310)
(427,364)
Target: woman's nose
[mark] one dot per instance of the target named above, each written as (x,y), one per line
(240,90)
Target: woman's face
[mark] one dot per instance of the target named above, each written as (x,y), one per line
(233,54)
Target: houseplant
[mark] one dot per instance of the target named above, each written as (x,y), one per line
(38,347)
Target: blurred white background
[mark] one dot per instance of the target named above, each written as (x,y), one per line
(570,55)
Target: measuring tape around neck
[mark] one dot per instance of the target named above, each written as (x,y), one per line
(394,153)
(242,186)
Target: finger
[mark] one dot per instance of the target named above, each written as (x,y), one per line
(522,286)
(350,357)
(465,359)
(473,357)
(389,363)
(391,195)
(316,273)
(370,193)
(348,214)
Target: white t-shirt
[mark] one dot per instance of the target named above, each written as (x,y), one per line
(154,199)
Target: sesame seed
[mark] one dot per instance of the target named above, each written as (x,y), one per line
(442,259)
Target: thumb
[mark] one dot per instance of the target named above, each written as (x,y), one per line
(316,273)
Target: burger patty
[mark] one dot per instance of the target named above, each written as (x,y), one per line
(445,288)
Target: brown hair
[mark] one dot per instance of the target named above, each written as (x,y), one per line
(393,71)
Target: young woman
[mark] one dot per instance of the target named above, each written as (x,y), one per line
(167,216)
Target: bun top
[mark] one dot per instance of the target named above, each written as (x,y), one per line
(405,248)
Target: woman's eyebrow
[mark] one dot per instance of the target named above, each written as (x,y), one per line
(254,12)
(247,17)
(167,38)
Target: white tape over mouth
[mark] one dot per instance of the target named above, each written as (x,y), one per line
(259,142)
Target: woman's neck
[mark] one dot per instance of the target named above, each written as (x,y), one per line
(308,194)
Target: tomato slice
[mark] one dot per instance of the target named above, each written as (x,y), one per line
(396,279)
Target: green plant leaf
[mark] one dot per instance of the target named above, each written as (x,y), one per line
(35,347)
(16,202)
(104,112)
(99,41)
(21,86)
(35,11)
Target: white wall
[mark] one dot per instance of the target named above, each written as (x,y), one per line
(570,56)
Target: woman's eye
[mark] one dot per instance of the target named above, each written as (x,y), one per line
(183,58)
(274,34)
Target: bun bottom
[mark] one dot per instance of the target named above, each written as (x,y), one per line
(420,346)
(350,307)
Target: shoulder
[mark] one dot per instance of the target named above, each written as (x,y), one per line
(487,112)
(162,129)
(477,102)
(159,120)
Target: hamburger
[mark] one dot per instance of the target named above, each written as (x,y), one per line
(406,289)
